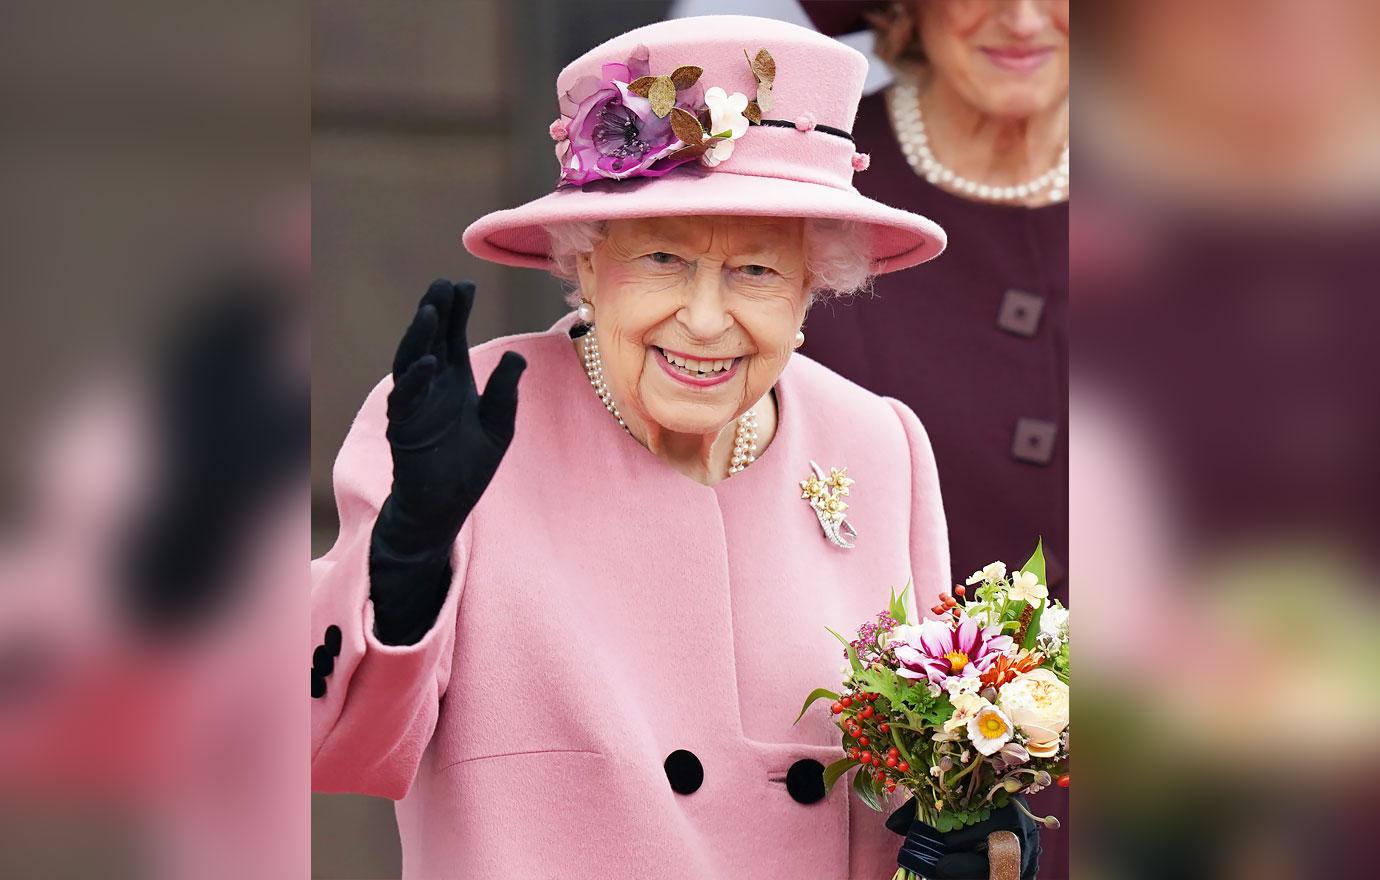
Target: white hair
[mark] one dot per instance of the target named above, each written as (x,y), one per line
(836,255)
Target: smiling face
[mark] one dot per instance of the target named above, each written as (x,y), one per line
(1006,58)
(695,316)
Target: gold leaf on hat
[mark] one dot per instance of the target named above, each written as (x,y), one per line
(662,95)
(764,66)
(765,97)
(686,126)
(685,77)
(694,150)
(687,152)
(753,112)
(641,85)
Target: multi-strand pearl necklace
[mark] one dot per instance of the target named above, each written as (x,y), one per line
(903,105)
(744,435)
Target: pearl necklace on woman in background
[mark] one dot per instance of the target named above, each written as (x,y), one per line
(903,105)
(744,436)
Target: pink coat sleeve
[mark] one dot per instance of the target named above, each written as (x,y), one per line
(379,710)
(929,533)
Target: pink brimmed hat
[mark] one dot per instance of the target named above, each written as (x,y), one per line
(713,115)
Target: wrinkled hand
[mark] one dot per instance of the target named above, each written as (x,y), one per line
(446,439)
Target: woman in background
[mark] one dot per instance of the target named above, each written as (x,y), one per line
(973,133)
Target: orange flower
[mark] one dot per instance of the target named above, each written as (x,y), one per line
(1007,668)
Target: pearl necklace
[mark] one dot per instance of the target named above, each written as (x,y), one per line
(744,435)
(903,105)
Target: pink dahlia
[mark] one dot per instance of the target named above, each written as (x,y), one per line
(938,651)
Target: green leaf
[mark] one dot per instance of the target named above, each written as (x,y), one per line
(863,787)
(882,681)
(726,133)
(835,770)
(952,820)
(1036,563)
(1033,631)
(898,604)
(852,654)
(939,711)
(816,694)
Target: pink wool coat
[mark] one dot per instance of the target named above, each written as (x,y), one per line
(607,611)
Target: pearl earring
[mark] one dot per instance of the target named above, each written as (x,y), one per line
(586,311)
(799,338)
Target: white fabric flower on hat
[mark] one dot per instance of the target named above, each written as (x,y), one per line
(725,118)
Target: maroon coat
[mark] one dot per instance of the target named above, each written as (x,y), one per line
(976,342)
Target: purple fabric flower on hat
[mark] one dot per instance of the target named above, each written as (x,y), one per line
(613,133)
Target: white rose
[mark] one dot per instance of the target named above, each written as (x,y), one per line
(1037,703)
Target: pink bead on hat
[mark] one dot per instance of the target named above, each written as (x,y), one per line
(702,116)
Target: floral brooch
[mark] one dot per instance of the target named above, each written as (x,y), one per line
(628,123)
(826,494)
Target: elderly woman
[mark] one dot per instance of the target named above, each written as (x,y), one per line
(570,633)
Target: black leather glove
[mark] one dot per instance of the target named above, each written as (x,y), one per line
(962,854)
(446,442)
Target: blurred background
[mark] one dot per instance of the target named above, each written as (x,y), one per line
(1224,480)
(1224,426)
(154,415)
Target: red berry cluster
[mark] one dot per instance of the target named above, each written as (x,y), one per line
(865,730)
(949,604)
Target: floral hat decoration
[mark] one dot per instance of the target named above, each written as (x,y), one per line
(710,115)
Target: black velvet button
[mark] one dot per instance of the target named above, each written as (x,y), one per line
(805,781)
(322,660)
(684,771)
(332,641)
(318,685)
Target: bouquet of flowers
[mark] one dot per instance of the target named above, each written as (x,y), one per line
(964,710)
